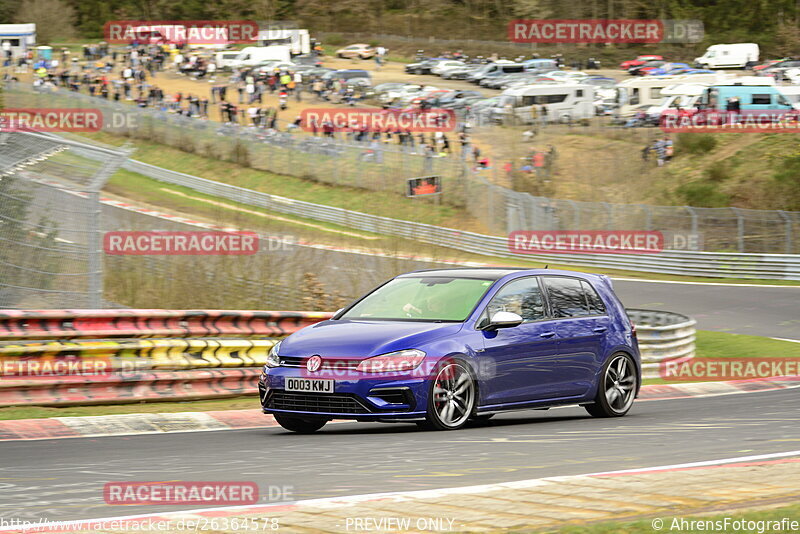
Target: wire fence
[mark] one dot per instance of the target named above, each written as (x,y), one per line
(382,167)
(49,222)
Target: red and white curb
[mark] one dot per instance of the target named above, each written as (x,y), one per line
(123,523)
(162,423)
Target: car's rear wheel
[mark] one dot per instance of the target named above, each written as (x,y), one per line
(451,398)
(299,424)
(617,388)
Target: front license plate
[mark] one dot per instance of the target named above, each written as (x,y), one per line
(309,385)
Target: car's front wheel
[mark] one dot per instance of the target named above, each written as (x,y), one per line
(617,388)
(299,424)
(451,398)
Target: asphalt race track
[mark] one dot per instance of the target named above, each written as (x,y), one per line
(63,479)
(754,310)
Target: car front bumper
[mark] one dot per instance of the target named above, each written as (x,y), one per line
(359,396)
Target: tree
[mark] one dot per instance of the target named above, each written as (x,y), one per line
(53,18)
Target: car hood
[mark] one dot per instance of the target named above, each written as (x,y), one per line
(362,338)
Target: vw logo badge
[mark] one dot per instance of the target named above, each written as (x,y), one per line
(314,363)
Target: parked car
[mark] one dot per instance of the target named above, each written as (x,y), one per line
(640,60)
(777,69)
(356,51)
(440,66)
(425,66)
(357,77)
(459,73)
(446,346)
(400,93)
(640,70)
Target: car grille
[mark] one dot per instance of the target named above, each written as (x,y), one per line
(336,365)
(310,402)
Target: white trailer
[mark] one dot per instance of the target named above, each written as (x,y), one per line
(298,41)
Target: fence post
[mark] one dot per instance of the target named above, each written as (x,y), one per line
(609,215)
(693,215)
(788,235)
(739,229)
(648,217)
(95,260)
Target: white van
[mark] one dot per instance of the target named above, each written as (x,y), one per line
(255,55)
(634,93)
(680,95)
(563,101)
(728,56)
(224,60)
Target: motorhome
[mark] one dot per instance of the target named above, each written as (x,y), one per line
(728,56)
(636,94)
(298,41)
(255,55)
(563,101)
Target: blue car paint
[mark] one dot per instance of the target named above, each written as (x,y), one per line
(537,364)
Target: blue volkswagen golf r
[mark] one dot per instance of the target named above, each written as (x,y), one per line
(441,347)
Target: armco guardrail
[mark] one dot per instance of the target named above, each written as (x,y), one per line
(189,364)
(710,264)
(663,336)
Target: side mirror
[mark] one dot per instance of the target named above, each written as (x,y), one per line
(503,319)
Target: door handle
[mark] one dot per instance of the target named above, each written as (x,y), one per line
(600,329)
(547,334)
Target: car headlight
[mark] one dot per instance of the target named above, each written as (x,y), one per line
(402,360)
(273,360)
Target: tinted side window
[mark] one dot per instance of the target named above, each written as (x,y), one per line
(761,99)
(566,296)
(595,303)
(523,297)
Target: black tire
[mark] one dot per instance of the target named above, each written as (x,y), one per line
(459,375)
(617,407)
(298,424)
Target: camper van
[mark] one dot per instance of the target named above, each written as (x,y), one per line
(635,93)
(728,56)
(752,97)
(564,101)
(678,96)
(255,55)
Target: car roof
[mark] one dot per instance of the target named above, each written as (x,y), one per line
(491,273)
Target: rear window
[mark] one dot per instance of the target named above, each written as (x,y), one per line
(571,297)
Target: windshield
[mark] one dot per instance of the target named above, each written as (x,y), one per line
(422,298)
